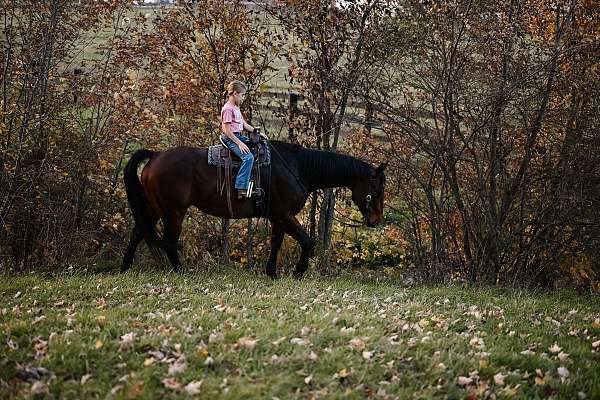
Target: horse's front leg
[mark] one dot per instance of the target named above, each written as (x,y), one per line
(293,228)
(277,235)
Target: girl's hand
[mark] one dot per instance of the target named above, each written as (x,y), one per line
(243,148)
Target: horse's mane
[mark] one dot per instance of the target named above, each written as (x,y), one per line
(319,164)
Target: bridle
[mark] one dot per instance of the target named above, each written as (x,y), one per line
(369,196)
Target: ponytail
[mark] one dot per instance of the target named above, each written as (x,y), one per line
(234,87)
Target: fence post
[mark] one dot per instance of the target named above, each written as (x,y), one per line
(292,111)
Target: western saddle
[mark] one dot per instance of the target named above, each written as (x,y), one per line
(227,164)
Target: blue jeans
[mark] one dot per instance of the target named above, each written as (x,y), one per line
(243,177)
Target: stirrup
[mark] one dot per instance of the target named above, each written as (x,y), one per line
(249,191)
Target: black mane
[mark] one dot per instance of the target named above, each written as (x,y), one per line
(321,169)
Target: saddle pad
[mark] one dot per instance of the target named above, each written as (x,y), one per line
(217,155)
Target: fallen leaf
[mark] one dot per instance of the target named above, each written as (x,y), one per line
(562,356)
(33,373)
(171,383)
(159,355)
(509,392)
(343,373)
(178,366)
(464,381)
(299,341)
(38,388)
(136,390)
(278,341)
(149,361)
(247,342)
(85,378)
(596,344)
(215,337)
(357,343)
(367,355)
(193,387)
(127,340)
(499,379)
(563,373)
(308,379)
(99,344)
(555,348)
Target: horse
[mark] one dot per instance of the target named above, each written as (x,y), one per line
(175,179)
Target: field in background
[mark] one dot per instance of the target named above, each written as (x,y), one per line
(274,102)
(231,334)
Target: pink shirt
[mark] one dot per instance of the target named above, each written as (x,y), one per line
(231,114)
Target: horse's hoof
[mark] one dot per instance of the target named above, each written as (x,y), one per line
(273,276)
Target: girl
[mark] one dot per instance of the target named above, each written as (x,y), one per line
(232,126)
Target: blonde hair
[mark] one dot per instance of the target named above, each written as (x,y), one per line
(235,87)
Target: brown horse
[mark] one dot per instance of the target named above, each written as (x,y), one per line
(179,178)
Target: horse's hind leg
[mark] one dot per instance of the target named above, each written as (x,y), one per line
(172,224)
(134,241)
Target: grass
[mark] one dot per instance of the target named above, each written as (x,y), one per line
(226,333)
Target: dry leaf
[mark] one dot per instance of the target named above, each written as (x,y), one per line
(38,388)
(136,390)
(357,343)
(215,337)
(343,373)
(299,341)
(99,344)
(367,355)
(127,340)
(562,356)
(171,383)
(85,378)
(193,388)
(563,373)
(555,348)
(178,366)
(464,381)
(247,342)
(499,379)
(149,361)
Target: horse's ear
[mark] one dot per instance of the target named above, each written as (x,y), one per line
(381,168)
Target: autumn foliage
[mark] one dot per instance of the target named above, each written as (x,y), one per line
(486,111)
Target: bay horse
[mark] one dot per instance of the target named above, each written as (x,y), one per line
(178,178)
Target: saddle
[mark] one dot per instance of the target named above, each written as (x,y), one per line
(227,163)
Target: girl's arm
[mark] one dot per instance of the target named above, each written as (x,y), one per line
(247,127)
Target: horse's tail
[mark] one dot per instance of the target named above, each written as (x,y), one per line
(142,215)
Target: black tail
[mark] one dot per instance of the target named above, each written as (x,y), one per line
(142,215)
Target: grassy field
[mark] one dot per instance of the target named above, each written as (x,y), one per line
(225,333)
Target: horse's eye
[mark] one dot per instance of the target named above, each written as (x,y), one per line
(368,197)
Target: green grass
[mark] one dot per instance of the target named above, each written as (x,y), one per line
(73,324)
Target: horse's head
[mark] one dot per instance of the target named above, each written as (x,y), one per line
(367,194)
